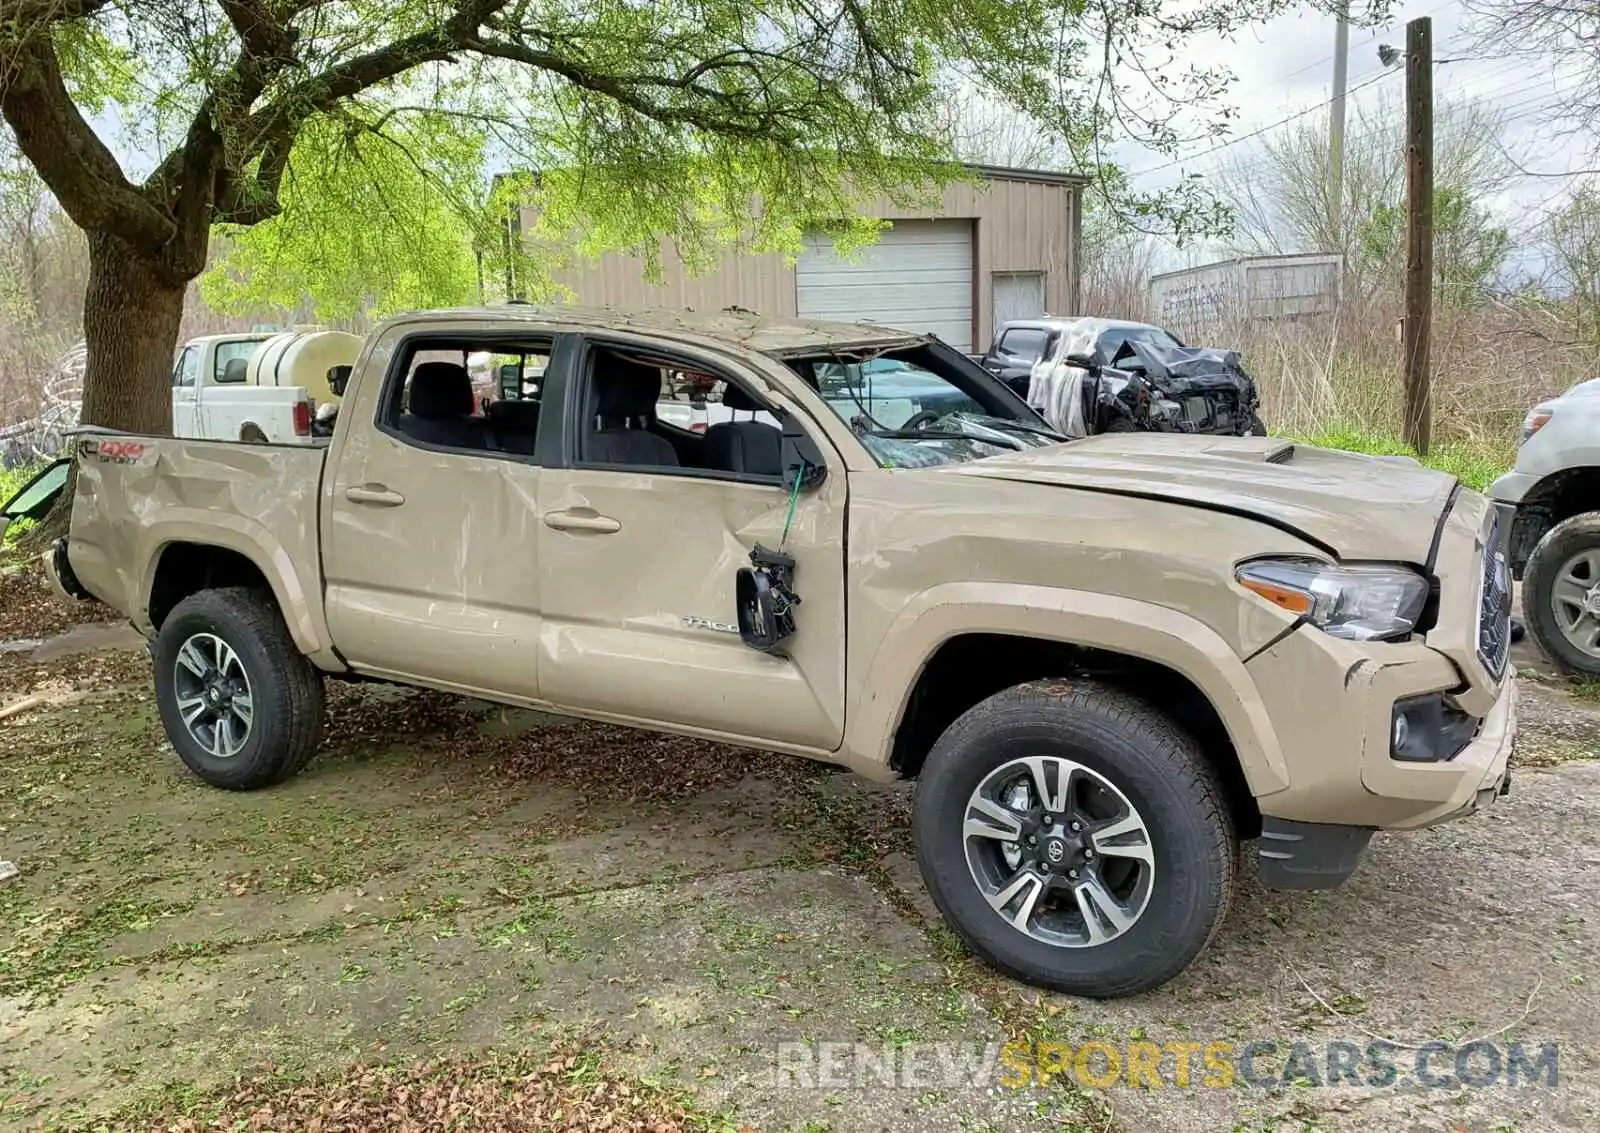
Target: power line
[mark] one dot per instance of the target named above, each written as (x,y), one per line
(1256,133)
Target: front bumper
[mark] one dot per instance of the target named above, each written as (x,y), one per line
(1332,701)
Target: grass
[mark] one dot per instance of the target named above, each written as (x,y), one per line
(1475,464)
(10,480)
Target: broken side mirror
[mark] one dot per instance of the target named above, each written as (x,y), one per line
(800,455)
(765,598)
(1081,361)
(338,378)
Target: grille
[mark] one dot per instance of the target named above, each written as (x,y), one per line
(1494,606)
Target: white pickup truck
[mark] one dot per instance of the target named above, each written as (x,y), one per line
(255,386)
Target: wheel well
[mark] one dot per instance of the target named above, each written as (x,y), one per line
(1556,498)
(974,667)
(188,568)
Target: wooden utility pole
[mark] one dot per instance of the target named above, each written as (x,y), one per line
(1417,423)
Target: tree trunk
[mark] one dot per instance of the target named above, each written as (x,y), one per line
(131,314)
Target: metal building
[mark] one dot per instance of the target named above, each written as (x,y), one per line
(1006,247)
(1216,300)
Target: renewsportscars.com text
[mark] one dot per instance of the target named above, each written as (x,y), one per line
(1221,1064)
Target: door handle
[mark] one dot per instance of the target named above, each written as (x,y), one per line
(375,494)
(584,520)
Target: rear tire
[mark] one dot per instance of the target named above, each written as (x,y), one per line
(1567,558)
(1137,765)
(241,705)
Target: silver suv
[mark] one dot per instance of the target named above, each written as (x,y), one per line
(1550,525)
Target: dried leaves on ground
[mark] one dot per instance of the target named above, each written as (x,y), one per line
(604,761)
(565,1093)
(30,609)
(83,672)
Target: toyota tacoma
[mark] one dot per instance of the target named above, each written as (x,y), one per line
(1106,662)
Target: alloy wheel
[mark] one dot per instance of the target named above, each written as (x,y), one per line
(213,695)
(1059,852)
(1575,601)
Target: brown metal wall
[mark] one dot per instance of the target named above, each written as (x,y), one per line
(1020,226)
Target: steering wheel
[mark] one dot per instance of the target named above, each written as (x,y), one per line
(921,420)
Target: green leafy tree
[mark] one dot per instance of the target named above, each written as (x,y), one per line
(358,135)
(1469,249)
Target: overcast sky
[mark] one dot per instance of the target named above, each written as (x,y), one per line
(1285,67)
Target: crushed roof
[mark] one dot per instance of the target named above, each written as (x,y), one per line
(764,333)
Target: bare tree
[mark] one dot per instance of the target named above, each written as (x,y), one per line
(1280,191)
(987,131)
(1549,34)
(1572,244)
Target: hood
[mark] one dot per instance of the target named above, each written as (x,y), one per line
(1357,507)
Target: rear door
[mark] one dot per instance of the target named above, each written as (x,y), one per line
(638,562)
(430,545)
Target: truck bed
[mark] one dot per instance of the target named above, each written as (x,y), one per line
(139,496)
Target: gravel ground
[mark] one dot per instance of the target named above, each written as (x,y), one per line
(557,917)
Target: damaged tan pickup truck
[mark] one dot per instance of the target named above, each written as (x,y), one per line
(1105,662)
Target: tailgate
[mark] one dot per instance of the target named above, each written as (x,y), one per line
(138,495)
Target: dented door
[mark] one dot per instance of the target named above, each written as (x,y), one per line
(429,554)
(637,573)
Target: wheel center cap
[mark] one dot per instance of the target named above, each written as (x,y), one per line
(1055,850)
(1593,602)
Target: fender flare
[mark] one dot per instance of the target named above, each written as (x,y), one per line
(302,612)
(1073,617)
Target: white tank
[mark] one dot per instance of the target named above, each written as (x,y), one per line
(302,357)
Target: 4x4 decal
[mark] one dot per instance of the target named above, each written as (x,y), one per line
(111,452)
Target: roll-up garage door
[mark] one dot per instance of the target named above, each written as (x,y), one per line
(917,277)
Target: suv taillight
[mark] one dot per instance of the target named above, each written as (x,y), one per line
(302,418)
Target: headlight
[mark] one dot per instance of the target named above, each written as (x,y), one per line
(1359,601)
(1534,421)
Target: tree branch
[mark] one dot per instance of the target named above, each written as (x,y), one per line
(70,157)
(618,89)
(261,36)
(21,16)
(253,200)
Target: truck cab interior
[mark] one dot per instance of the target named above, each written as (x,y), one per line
(623,398)
(441,403)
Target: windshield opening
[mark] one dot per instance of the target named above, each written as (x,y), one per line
(922,405)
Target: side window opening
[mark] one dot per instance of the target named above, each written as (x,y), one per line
(467,396)
(230,361)
(654,411)
(187,369)
(1025,343)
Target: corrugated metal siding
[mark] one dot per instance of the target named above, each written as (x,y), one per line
(762,283)
(918,277)
(1018,226)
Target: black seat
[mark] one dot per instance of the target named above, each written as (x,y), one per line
(441,406)
(514,425)
(625,396)
(745,447)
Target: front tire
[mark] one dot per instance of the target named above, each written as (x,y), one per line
(241,705)
(1561,595)
(1075,838)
